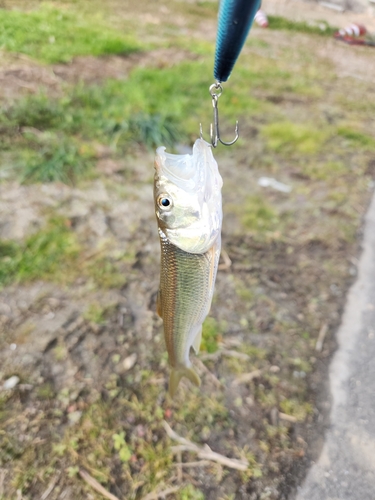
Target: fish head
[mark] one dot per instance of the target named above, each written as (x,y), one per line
(187,194)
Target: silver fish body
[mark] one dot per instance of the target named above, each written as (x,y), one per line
(187,193)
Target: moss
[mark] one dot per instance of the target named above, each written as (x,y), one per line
(189,492)
(295,408)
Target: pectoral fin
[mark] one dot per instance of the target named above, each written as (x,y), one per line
(176,376)
(197,340)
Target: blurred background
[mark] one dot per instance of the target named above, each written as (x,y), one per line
(88,90)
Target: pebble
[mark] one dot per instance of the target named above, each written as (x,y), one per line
(129,362)
(11,383)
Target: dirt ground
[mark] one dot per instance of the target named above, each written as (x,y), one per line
(90,359)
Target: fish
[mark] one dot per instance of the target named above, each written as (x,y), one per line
(188,208)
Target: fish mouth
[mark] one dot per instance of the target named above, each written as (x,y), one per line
(185,171)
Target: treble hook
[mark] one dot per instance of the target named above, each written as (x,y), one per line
(214,129)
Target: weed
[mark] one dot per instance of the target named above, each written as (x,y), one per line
(299,410)
(189,492)
(121,446)
(53,35)
(46,391)
(95,313)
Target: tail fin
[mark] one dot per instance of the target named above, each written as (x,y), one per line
(176,376)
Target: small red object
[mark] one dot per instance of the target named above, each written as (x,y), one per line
(354,30)
(168,413)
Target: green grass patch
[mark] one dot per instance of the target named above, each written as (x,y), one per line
(295,408)
(324,171)
(55,157)
(54,35)
(257,215)
(312,28)
(189,492)
(356,138)
(45,255)
(287,137)
(211,335)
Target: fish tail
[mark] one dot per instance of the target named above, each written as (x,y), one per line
(176,376)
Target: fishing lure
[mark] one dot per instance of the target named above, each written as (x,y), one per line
(234,22)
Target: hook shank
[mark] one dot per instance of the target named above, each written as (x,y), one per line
(216,90)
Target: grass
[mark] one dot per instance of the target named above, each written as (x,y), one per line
(292,138)
(54,35)
(54,158)
(356,137)
(312,28)
(211,335)
(257,215)
(44,254)
(150,108)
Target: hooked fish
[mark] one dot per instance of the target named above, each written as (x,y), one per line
(187,194)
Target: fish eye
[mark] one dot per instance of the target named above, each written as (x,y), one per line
(164,201)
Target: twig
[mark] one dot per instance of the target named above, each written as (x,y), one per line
(179,468)
(199,463)
(287,418)
(225,352)
(161,494)
(97,486)
(3,473)
(321,337)
(204,452)
(247,377)
(202,368)
(32,130)
(50,488)
(227,261)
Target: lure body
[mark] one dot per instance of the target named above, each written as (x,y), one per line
(187,193)
(235,20)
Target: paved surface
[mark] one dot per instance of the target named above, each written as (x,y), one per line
(346,467)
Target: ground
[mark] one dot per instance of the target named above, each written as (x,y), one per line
(79,252)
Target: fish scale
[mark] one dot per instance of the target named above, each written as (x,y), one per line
(189,277)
